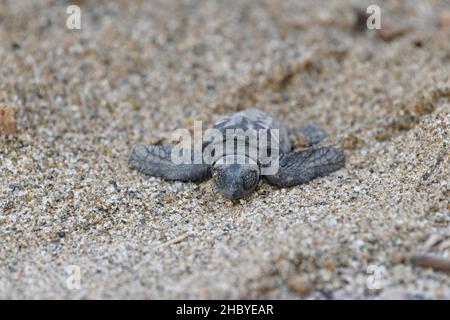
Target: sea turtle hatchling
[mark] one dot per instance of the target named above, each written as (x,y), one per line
(237,179)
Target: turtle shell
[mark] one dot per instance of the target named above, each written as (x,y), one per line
(265,130)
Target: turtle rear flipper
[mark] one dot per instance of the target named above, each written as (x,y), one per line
(156,161)
(302,166)
(306,136)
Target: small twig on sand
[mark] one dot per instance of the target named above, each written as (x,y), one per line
(431,261)
(173,241)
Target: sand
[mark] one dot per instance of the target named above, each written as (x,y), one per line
(137,70)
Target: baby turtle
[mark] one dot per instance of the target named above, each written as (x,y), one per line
(236,172)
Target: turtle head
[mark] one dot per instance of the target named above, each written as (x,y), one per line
(235,179)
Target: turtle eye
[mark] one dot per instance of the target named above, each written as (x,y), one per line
(249,180)
(218,177)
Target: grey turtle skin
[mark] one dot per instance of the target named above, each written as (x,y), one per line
(234,179)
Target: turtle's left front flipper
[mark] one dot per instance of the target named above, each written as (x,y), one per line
(302,166)
(156,161)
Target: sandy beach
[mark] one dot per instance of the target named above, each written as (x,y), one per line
(77,223)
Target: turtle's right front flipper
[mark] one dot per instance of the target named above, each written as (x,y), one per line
(156,161)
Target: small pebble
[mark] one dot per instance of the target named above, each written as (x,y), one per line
(7,119)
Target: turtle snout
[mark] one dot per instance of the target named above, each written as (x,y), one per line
(233,191)
(230,183)
(233,194)
(229,190)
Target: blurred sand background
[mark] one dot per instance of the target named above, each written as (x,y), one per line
(73,103)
